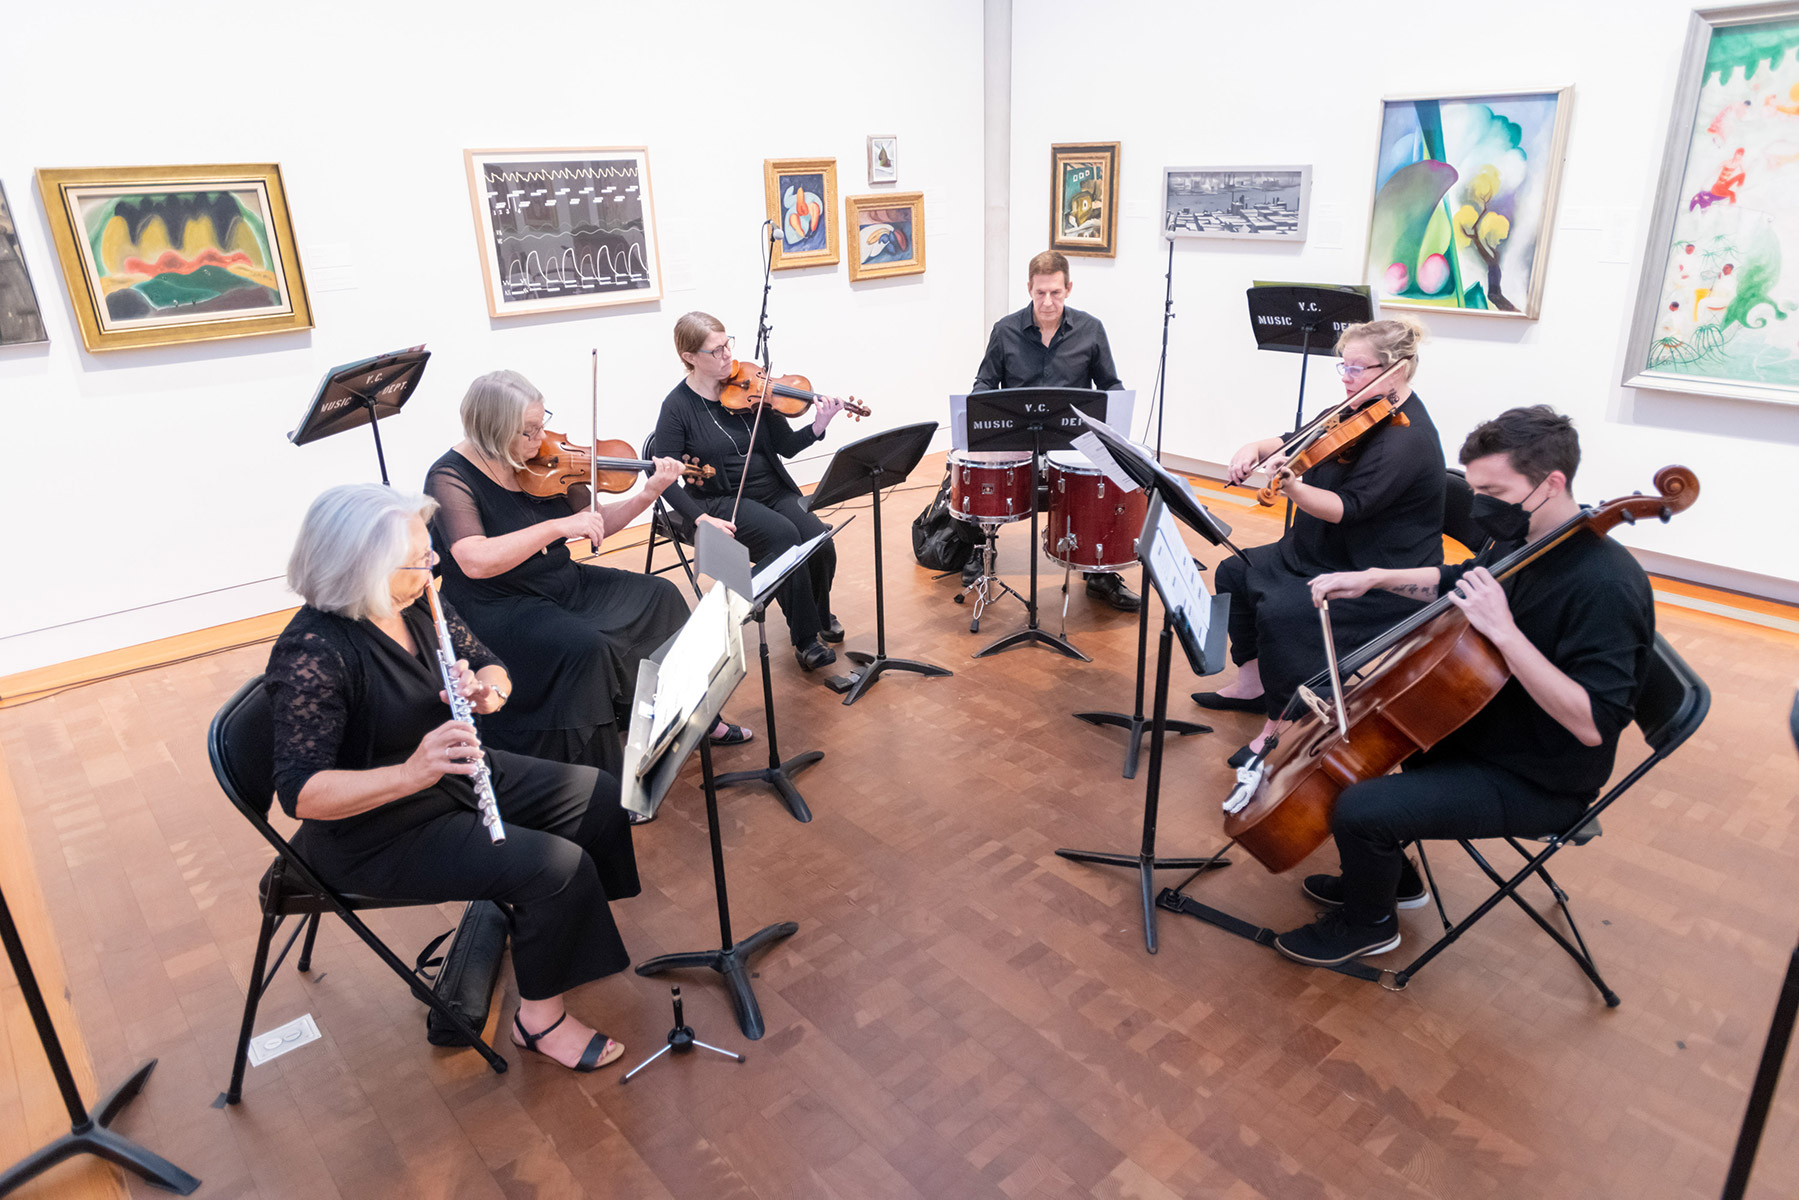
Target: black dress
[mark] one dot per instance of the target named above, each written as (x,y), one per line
(1392,488)
(347,697)
(571,633)
(773,517)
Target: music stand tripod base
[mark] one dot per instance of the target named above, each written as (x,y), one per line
(777,774)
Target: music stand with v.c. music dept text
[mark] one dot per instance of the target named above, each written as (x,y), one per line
(361,393)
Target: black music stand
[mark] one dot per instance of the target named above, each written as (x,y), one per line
(778,774)
(361,393)
(88,1129)
(1147,472)
(1162,552)
(645,786)
(1284,316)
(1038,420)
(863,468)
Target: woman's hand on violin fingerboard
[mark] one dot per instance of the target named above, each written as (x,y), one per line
(667,473)
(823,409)
(588,523)
(709,519)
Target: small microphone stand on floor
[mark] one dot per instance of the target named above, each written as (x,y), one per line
(680,1040)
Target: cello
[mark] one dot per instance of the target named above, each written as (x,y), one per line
(1425,678)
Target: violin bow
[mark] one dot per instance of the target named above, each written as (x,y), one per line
(593,458)
(743,476)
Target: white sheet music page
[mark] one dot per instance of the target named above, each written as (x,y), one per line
(1095,450)
(1172,563)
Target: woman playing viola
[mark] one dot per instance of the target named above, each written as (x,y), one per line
(772,517)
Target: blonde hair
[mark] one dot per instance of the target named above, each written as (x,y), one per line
(493,412)
(691,331)
(351,540)
(1048,262)
(1391,339)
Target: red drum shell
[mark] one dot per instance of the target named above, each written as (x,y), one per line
(1093,523)
(990,492)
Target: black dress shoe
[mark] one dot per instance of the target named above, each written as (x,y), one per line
(1218,703)
(1110,588)
(815,655)
(832,632)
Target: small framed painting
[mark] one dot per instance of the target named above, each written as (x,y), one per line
(1083,181)
(883,158)
(1252,204)
(801,195)
(156,256)
(564,229)
(887,233)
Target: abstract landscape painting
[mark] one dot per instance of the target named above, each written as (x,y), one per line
(564,229)
(1719,298)
(1465,190)
(1263,204)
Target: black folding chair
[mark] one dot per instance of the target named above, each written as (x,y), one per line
(666,527)
(1673,704)
(241,743)
(1458,512)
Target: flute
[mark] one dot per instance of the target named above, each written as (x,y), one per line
(462,710)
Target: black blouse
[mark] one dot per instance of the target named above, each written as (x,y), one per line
(346,697)
(690,424)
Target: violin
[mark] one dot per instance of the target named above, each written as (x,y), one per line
(610,466)
(1435,672)
(1335,431)
(789,395)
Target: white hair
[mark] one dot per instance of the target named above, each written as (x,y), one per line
(493,412)
(352,539)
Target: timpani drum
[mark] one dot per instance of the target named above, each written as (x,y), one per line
(989,492)
(1093,523)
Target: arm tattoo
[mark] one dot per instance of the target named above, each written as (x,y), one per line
(1420,591)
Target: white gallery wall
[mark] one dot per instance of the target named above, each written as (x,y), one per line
(1230,84)
(153,492)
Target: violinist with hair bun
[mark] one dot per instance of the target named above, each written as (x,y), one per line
(772,517)
(575,632)
(1377,504)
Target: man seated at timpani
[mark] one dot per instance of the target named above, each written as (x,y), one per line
(369,761)
(1048,344)
(1576,628)
(1380,504)
(576,632)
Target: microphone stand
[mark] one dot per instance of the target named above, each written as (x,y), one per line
(763,351)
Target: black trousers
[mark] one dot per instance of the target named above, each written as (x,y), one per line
(769,528)
(1274,623)
(567,853)
(1436,796)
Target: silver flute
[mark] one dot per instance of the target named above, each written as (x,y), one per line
(462,710)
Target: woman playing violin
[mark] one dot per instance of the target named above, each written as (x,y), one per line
(771,518)
(1380,504)
(575,631)
(1575,627)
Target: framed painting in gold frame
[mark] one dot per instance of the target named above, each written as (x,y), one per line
(1083,188)
(157,256)
(886,234)
(801,196)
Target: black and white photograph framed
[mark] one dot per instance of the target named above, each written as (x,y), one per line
(1252,204)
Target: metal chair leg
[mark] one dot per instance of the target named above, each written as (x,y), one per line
(252,999)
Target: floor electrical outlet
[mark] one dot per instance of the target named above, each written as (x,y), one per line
(278,1041)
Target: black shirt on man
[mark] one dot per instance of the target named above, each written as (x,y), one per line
(1078,355)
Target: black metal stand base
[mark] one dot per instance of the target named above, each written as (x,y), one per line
(873,664)
(778,774)
(732,963)
(1146,865)
(680,1041)
(1031,635)
(98,1140)
(1138,725)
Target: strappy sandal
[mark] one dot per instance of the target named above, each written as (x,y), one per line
(592,1058)
(734,735)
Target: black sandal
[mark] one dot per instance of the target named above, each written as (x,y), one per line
(734,735)
(592,1058)
(1218,703)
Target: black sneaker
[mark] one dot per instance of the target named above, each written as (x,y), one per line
(1331,940)
(815,655)
(1328,889)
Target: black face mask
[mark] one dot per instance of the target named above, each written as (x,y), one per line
(1502,521)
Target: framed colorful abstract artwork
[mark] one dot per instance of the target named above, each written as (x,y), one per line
(154,256)
(1256,204)
(21,321)
(1718,303)
(802,203)
(1464,200)
(1083,188)
(565,228)
(886,234)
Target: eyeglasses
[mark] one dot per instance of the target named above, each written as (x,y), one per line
(534,432)
(424,564)
(1351,370)
(722,353)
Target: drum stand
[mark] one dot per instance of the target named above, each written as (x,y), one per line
(987,586)
(1135,721)
(1031,633)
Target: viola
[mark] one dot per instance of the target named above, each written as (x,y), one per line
(789,395)
(1434,673)
(1336,430)
(559,464)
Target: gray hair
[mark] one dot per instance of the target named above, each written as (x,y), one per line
(352,539)
(493,412)
(1390,339)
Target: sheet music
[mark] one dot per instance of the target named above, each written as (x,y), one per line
(772,570)
(1183,588)
(1097,454)
(700,650)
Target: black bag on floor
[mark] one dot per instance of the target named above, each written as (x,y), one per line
(468,971)
(938,540)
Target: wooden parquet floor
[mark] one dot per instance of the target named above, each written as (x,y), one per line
(962,1014)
